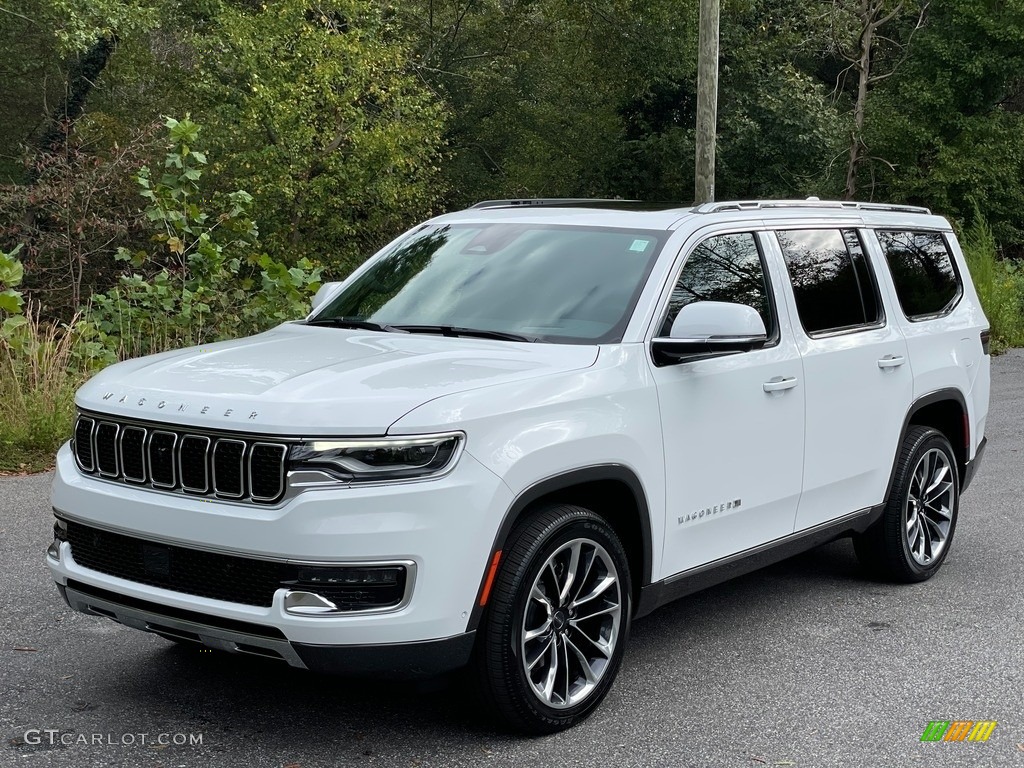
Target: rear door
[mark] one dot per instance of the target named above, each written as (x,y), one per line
(858,383)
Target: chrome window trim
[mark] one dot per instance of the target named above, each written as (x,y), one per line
(241,467)
(206,464)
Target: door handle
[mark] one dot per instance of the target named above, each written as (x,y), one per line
(891,361)
(779,383)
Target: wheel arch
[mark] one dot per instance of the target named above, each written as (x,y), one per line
(946,411)
(612,491)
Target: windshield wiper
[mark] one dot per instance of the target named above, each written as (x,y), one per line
(349,322)
(454,330)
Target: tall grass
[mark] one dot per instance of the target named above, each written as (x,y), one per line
(1000,285)
(39,373)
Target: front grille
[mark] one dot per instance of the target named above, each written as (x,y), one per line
(228,467)
(245,580)
(83,443)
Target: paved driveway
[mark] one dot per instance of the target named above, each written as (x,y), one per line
(802,664)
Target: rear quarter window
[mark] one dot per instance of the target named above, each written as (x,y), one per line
(923,271)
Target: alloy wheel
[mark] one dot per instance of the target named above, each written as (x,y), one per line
(929,508)
(571,623)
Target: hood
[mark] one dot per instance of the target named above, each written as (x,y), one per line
(306,380)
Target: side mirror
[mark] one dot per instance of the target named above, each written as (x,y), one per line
(321,296)
(709,328)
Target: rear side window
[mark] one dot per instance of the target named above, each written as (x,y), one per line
(723,268)
(922,268)
(832,282)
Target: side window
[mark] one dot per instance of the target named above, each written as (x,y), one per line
(922,269)
(832,281)
(723,268)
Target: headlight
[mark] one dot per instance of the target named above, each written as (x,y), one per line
(379,459)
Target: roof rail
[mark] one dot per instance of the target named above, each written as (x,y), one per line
(811,202)
(549,201)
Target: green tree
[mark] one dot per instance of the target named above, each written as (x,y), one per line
(312,106)
(206,279)
(951,122)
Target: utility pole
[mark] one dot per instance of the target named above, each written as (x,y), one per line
(707,102)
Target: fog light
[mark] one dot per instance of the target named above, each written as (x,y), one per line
(348,576)
(323,589)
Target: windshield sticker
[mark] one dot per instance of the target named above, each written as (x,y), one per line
(639,245)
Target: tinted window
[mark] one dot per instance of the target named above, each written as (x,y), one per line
(922,269)
(569,284)
(723,268)
(832,282)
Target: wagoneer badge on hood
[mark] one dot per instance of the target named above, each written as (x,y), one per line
(178,407)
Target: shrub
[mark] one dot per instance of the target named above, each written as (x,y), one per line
(80,206)
(38,377)
(206,280)
(999,283)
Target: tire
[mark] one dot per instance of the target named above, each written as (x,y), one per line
(543,629)
(912,539)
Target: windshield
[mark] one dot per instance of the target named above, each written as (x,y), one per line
(564,284)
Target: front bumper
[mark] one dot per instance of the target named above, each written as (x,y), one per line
(417,659)
(445,527)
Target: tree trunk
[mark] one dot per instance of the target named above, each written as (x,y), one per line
(863,65)
(83,74)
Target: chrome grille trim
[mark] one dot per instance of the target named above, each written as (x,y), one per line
(167,467)
(205,488)
(89,439)
(241,468)
(281,461)
(142,453)
(97,438)
(170,463)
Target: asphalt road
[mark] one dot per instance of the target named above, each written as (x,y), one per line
(801,664)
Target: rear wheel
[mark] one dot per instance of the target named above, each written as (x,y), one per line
(557,621)
(913,536)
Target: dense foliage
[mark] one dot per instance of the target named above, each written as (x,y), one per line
(334,124)
(347,119)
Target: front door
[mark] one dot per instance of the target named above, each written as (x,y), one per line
(733,425)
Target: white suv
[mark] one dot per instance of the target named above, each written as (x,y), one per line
(520,426)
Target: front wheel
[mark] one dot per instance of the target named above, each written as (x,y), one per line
(557,621)
(913,536)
